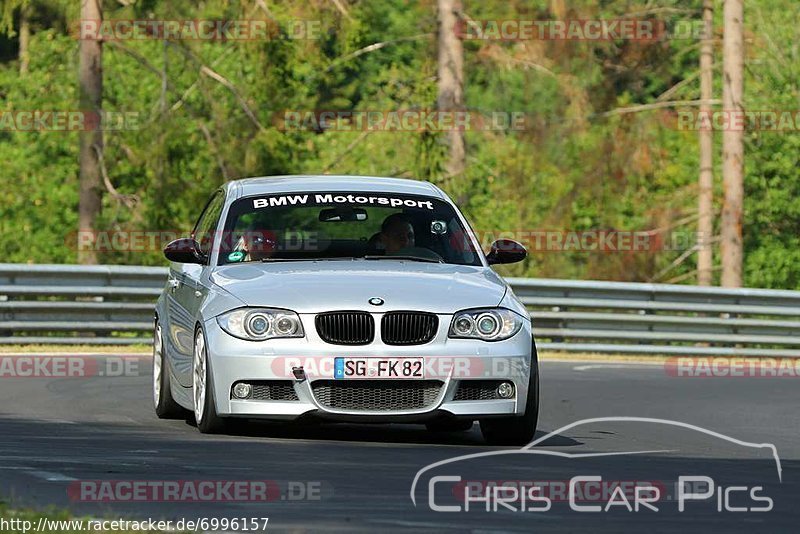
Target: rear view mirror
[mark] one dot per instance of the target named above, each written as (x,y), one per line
(506,251)
(185,250)
(343,214)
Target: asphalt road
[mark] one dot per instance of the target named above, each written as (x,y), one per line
(59,433)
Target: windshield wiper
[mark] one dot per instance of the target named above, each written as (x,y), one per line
(353,258)
(403,257)
(270,260)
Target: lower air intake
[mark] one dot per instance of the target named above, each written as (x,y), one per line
(477,390)
(273,390)
(376,395)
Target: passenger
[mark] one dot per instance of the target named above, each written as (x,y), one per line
(258,244)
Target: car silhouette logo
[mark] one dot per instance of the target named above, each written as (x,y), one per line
(375,301)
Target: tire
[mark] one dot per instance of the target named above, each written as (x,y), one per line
(163,402)
(449,425)
(205,410)
(517,430)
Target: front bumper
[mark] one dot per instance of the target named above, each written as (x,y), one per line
(449,361)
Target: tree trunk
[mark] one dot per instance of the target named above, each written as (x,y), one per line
(24,39)
(705,224)
(733,144)
(451,80)
(90,80)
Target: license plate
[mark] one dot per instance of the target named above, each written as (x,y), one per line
(354,368)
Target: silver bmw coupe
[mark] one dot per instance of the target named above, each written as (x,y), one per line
(343,298)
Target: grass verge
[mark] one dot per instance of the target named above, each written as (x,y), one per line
(76,349)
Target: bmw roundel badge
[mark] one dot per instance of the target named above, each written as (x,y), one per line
(375,301)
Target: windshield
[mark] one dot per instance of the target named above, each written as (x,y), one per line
(324,226)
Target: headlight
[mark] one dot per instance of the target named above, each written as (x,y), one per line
(258,324)
(495,324)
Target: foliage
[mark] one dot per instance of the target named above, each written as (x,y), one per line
(574,167)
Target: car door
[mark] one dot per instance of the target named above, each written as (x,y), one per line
(192,289)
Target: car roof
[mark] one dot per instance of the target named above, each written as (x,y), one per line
(322,183)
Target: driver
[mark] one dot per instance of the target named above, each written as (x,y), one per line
(396,233)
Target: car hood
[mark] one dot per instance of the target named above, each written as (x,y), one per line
(313,287)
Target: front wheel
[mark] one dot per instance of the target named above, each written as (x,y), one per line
(205,410)
(164,403)
(517,430)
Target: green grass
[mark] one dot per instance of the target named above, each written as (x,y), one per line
(595,356)
(75,349)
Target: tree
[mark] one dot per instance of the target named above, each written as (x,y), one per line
(7,27)
(705,223)
(733,144)
(90,81)
(451,80)
(24,38)
(598,149)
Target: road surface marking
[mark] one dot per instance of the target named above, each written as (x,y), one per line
(601,366)
(52,477)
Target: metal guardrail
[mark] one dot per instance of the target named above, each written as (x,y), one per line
(619,317)
(56,304)
(74,304)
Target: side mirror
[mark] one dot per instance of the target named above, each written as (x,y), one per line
(506,251)
(185,250)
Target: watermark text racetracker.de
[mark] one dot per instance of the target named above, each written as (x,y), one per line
(70,366)
(534,240)
(55,120)
(628,29)
(719,367)
(560,30)
(196,29)
(196,524)
(197,491)
(738,120)
(403,120)
(431,367)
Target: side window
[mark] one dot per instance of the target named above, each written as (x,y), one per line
(207,224)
